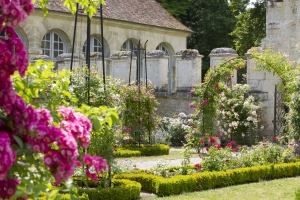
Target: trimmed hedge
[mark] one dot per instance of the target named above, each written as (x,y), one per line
(83,196)
(153,150)
(148,181)
(209,180)
(126,153)
(122,190)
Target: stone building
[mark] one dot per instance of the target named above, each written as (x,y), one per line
(283,36)
(171,69)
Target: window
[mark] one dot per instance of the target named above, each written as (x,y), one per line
(96,46)
(127,45)
(53,45)
(163,48)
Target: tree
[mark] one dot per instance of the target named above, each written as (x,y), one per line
(177,8)
(238,6)
(250,28)
(212,21)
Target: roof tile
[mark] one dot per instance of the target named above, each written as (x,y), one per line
(138,11)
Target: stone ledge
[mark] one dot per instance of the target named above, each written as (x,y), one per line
(188,54)
(156,54)
(122,54)
(40,57)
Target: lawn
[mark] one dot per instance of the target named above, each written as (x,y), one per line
(281,189)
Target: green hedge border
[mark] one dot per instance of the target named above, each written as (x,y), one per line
(122,190)
(153,150)
(209,180)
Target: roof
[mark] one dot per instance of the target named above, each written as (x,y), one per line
(147,12)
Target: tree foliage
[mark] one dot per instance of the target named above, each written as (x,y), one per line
(211,21)
(177,8)
(250,28)
(238,6)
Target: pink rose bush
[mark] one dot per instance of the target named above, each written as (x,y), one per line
(23,123)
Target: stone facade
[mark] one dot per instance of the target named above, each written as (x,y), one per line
(283,27)
(115,33)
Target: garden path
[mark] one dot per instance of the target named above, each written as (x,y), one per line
(153,163)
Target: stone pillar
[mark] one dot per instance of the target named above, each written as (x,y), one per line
(157,70)
(118,66)
(263,85)
(188,67)
(63,61)
(218,55)
(96,63)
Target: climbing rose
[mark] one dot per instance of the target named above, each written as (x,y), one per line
(7,155)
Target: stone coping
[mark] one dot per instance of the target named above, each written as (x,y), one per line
(40,57)
(188,54)
(122,54)
(156,54)
(223,51)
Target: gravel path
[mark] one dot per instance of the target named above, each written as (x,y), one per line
(153,163)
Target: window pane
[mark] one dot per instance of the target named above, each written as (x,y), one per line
(55,54)
(55,46)
(55,37)
(46,52)
(61,46)
(47,36)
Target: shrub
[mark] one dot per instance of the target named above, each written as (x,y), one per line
(238,117)
(147,181)
(173,129)
(126,153)
(144,150)
(138,112)
(122,190)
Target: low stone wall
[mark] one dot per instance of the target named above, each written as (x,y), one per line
(173,103)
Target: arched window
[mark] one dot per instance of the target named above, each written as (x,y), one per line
(127,45)
(53,45)
(171,67)
(163,48)
(96,45)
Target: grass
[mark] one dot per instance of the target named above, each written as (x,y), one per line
(174,154)
(280,189)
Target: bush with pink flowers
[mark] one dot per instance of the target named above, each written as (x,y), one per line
(38,147)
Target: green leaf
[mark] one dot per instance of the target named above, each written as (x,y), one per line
(114,116)
(19,141)
(39,188)
(53,194)
(68,94)
(19,85)
(96,124)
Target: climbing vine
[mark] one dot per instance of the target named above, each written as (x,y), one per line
(280,65)
(206,105)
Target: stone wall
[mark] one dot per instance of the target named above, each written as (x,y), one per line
(174,103)
(283,27)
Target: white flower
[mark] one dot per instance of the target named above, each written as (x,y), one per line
(182,115)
